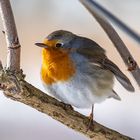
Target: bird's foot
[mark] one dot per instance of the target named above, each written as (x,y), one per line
(91,118)
(90,123)
(68,106)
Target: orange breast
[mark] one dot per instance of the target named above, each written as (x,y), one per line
(56,66)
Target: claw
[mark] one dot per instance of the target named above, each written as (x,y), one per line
(68,106)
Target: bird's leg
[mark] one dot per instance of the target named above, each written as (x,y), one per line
(91,117)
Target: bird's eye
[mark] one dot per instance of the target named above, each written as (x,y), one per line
(58,45)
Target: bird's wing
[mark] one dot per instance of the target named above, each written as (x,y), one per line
(96,55)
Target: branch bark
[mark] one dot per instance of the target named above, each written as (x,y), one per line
(13,56)
(19,90)
(116,40)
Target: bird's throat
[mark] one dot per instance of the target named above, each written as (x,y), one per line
(56,66)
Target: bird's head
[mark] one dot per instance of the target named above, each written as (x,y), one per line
(59,41)
(56,64)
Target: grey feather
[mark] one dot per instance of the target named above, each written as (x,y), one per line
(96,54)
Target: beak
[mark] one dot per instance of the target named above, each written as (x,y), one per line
(41,45)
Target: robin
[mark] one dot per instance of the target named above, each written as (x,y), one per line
(76,70)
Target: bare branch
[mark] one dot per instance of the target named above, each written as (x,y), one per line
(115,20)
(114,37)
(13,57)
(29,95)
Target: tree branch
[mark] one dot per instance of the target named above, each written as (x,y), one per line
(19,90)
(114,37)
(115,20)
(13,56)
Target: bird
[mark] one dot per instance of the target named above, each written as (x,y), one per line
(77,71)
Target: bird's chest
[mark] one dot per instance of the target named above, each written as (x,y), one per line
(59,69)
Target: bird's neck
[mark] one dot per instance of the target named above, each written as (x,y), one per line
(56,67)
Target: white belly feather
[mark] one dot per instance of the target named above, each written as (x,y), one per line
(83,90)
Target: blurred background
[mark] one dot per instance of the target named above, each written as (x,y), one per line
(35,20)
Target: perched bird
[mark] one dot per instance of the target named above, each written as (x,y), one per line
(77,71)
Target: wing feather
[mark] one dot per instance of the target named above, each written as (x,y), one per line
(96,55)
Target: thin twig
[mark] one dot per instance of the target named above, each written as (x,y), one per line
(105,13)
(35,98)
(114,37)
(13,56)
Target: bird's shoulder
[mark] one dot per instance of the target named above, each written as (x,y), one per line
(90,48)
